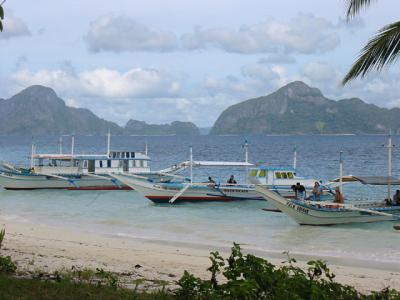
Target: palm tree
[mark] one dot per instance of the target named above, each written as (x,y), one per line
(382,50)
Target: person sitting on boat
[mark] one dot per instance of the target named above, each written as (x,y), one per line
(210,180)
(300,191)
(396,198)
(316,192)
(338,196)
(232,180)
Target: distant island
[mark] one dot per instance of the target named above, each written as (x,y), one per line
(293,109)
(299,109)
(38,110)
(175,128)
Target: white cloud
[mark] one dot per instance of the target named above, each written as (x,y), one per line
(121,33)
(304,34)
(277,59)
(102,82)
(13,27)
(320,72)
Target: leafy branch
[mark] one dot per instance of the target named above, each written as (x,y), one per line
(381,50)
(1,14)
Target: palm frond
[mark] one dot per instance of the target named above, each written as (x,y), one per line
(381,50)
(354,7)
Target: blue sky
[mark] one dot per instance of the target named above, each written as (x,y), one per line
(161,61)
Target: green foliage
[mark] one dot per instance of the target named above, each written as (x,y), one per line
(251,277)
(354,7)
(320,126)
(2,235)
(7,265)
(111,278)
(15,288)
(1,17)
(381,50)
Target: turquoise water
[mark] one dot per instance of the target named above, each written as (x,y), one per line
(128,214)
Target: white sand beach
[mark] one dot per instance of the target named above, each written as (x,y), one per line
(48,249)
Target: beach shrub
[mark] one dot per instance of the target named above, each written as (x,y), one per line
(7,265)
(110,277)
(2,234)
(249,277)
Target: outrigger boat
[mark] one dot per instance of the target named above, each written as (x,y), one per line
(170,192)
(281,179)
(327,213)
(78,171)
(307,212)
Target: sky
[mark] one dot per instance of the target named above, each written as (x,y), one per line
(164,60)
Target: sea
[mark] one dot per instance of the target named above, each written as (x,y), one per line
(128,214)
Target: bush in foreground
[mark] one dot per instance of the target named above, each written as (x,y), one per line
(237,277)
(250,277)
(7,265)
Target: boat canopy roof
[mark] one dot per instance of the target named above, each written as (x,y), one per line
(268,168)
(198,163)
(126,156)
(370,180)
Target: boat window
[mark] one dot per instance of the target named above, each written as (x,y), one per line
(278,175)
(114,155)
(290,175)
(109,163)
(101,163)
(133,154)
(262,173)
(85,164)
(120,163)
(284,175)
(127,154)
(253,173)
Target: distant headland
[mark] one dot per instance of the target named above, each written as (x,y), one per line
(296,108)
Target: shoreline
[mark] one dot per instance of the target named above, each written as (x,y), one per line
(40,247)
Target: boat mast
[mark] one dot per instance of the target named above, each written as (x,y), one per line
(72,148)
(60,143)
(191,164)
(146,149)
(295,158)
(32,154)
(246,149)
(108,143)
(389,146)
(341,172)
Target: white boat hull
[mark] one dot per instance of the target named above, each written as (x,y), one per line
(313,215)
(163,193)
(34,182)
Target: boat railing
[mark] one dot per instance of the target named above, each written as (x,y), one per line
(57,170)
